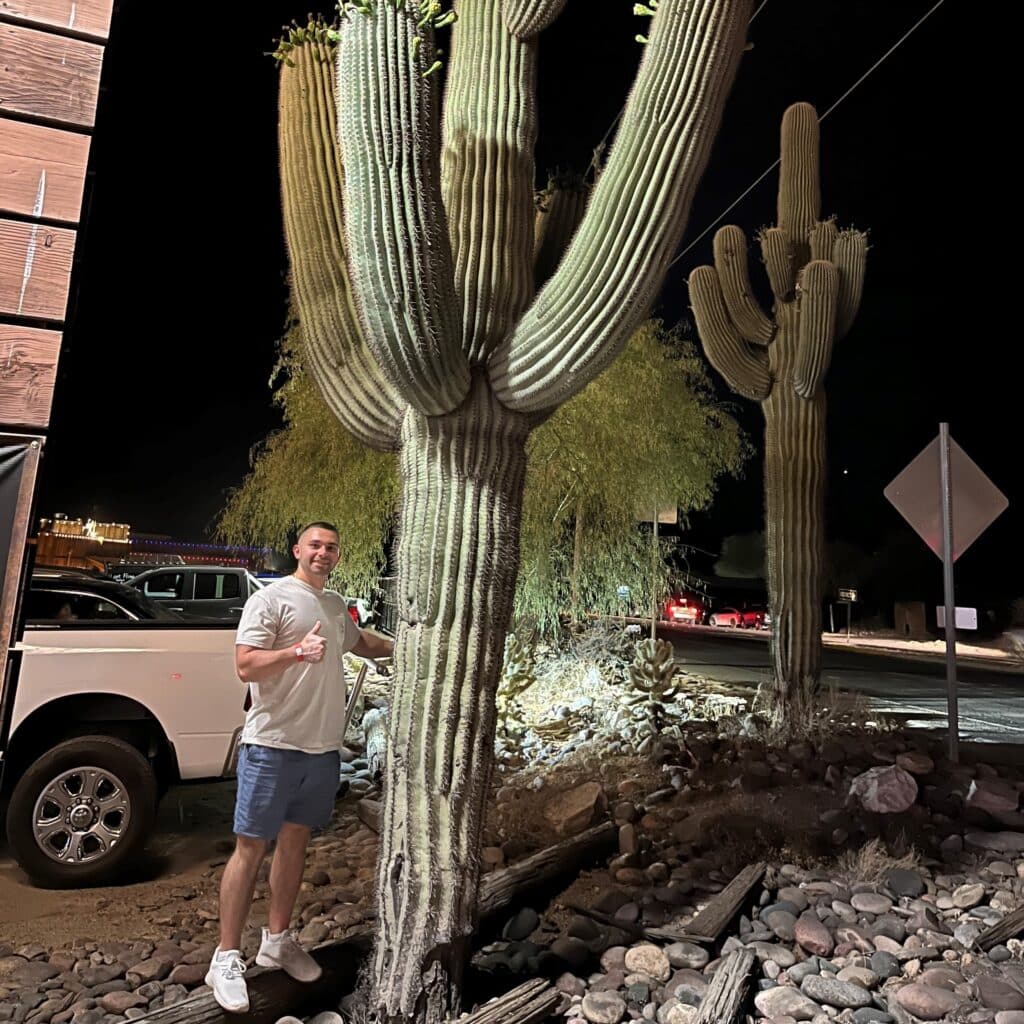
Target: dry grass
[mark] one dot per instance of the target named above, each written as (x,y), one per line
(828,711)
(873,861)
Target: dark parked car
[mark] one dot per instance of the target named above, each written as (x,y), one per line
(214,593)
(67,595)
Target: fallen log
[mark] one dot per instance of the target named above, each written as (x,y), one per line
(715,917)
(272,994)
(727,996)
(705,928)
(533,1001)
(1009,928)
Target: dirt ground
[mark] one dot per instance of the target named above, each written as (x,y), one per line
(192,836)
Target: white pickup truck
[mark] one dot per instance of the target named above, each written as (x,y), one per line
(111,699)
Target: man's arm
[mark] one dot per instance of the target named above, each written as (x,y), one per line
(257,665)
(373,645)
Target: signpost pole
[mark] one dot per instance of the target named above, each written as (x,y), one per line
(947,574)
(849,605)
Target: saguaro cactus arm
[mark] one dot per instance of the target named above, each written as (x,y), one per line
(616,263)
(560,209)
(401,258)
(819,285)
(730,249)
(312,180)
(799,204)
(744,367)
(490,128)
(850,255)
(527,18)
(778,262)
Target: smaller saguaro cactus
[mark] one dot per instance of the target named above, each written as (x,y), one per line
(816,274)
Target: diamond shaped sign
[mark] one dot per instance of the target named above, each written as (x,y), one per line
(917,495)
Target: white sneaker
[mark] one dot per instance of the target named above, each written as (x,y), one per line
(284,952)
(225,978)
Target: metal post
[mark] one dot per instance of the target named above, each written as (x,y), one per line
(849,606)
(946,477)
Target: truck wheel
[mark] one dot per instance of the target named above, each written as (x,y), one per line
(81,812)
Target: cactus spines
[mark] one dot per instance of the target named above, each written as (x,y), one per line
(816,274)
(437,313)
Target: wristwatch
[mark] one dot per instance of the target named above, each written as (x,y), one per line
(299,656)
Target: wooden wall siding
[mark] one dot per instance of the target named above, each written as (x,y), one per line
(49,76)
(42,170)
(89,17)
(35,270)
(28,369)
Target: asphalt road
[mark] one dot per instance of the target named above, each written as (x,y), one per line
(911,689)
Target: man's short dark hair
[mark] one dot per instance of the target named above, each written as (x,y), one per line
(320,524)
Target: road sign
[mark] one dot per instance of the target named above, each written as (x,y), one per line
(917,495)
(847,594)
(966,618)
(667,514)
(950,502)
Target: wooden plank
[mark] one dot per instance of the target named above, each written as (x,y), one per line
(533,1001)
(724,1001)
(1009,928)
(35,269)
(42,170)
(714,918)
(28,369)
(88,17)
(49,76)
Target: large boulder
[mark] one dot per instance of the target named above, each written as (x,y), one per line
(885,790)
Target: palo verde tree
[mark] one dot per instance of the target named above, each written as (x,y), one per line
(412,250)
(817,277)
(646,434)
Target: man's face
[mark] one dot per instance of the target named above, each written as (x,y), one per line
(317,551)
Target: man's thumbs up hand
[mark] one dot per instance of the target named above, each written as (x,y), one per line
(314,646)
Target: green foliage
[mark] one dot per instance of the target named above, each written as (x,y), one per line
(314,469)
(646,432)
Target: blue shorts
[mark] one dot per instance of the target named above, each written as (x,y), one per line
(275,786)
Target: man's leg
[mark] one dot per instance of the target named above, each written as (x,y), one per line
(286,874)
(236,888)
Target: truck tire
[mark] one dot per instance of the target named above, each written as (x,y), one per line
(81,812)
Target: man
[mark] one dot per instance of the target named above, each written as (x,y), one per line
(289,648)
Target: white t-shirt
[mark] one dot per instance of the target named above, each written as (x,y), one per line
(304,708)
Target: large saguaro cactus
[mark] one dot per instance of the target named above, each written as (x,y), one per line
(412,251)
(817,276)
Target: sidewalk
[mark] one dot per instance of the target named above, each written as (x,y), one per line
(990,654)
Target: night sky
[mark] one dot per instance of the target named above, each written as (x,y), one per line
(179,288)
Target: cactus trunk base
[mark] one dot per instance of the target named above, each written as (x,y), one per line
(795,496)
(458,558)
